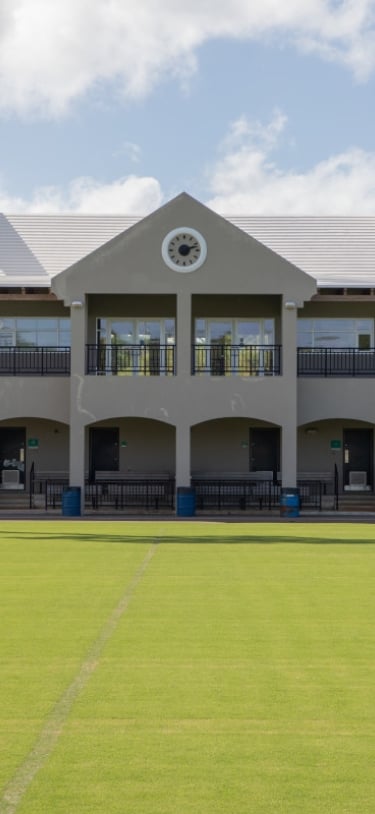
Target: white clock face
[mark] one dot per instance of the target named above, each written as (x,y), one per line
(184,249)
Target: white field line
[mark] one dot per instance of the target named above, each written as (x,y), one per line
(50,733)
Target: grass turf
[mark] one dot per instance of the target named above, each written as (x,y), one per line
(239,677)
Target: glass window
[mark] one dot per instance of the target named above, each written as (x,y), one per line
(136,331)
(249,333)
(149,331)
(26,338)
(34,332)
(64,339)
(122,332)
(27,324)
(46,338)
(221,332)
(47,324)
(7,322)
(169,332)
(235,331)
(335,333)
(200,331)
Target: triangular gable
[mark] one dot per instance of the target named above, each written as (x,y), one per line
(132,262)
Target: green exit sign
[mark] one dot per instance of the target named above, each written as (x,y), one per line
(33,443)
(336,443)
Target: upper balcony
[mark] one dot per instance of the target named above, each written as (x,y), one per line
(41,361)
(336,362)
(236,360)
(208,360)
(131,360)
(160,360)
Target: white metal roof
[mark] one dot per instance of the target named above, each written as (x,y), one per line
(336,251)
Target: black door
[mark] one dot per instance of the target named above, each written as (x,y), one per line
(358,446)
(265,450)
(12,457)
(104,450)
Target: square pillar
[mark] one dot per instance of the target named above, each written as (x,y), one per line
(183,454)
(77,414)
(289,373)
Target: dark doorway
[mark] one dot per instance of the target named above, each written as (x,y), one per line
(104,450)
(265,450)
(358,457)
(12,457)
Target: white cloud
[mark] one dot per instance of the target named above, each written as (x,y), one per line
(132,151)
(54,51)
(245,180)
(131,195)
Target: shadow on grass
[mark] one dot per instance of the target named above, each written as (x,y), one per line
(170,539)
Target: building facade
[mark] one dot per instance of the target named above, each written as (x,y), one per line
(183,348)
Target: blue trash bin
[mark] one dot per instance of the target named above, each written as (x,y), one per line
(290,502)
(186,501)
(71,501)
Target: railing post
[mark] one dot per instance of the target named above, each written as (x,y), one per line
(31,485)
(336,487)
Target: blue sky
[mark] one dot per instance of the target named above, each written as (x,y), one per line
(114,106)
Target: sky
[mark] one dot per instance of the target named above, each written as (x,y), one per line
(257,107)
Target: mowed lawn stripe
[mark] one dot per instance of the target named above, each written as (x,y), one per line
(53,725)
(240,680)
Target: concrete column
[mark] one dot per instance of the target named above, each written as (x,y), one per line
(289,455)
(183,334)
(183,445)
(183,351)
(77,425)
(78,336)
(289,340)
(289,373)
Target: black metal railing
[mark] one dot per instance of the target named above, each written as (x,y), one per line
(31,485)
(158,493)
(241,494)
(335,362)
(26,361)
(147,494)
(242,360)
(129,360)
(53,492)
(235,494)
(311,493)
(160,360)
(336,487)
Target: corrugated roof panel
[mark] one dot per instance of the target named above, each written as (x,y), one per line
(336,251)
(58,241)
(18,262)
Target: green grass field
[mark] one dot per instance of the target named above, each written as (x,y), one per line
(177,667)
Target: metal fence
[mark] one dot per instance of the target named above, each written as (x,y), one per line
(236,494)
(311,493)
(335,362)
(26,361)
(246,494)
(130,360)
(242,360)
(150,494)
(147,494)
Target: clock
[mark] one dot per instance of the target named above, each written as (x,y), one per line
(184,249)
